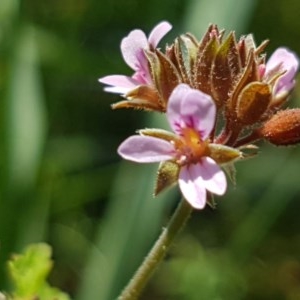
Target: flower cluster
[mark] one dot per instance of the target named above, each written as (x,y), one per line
(219,94)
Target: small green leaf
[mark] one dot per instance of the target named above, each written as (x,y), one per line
(28,272)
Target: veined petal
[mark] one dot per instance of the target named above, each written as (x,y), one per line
(146,149)
(192,108)
(158,32)
(192,186)
(132,48)
(213,177)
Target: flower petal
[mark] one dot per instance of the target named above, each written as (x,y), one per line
(132,48)
(192,186)
(213,177)
(120,84)
(192,108)
(158,32)
(117,90)
(119,80)
(146,149)
(287,61)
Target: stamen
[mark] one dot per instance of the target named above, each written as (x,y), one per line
(193,148)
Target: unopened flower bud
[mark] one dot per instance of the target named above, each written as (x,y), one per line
(283,128)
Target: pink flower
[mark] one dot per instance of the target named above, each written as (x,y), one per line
(133,47)
(282,60)
(191,115)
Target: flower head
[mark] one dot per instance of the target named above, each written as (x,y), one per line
(133,50)
(191,115)
(219,94)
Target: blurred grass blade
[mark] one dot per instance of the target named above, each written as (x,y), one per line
(23,138)
(133,220)
(271,204)
(25,114)
(227,14)
(8,9)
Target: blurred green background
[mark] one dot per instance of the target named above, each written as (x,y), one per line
(62,182)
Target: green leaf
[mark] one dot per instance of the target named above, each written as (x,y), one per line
(29,271)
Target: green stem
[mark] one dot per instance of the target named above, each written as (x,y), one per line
(134,288)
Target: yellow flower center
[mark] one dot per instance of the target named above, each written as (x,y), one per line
(191,147)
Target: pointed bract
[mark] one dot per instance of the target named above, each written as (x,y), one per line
(167,175)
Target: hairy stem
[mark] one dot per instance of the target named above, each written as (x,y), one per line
(134,288)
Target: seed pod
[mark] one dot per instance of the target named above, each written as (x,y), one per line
(283,128)
(253,102)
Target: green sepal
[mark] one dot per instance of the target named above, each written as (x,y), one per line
(231,172)
(222,154)
(159,133)
(167,175)
(210,200)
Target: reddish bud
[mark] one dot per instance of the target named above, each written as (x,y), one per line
(283,128)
